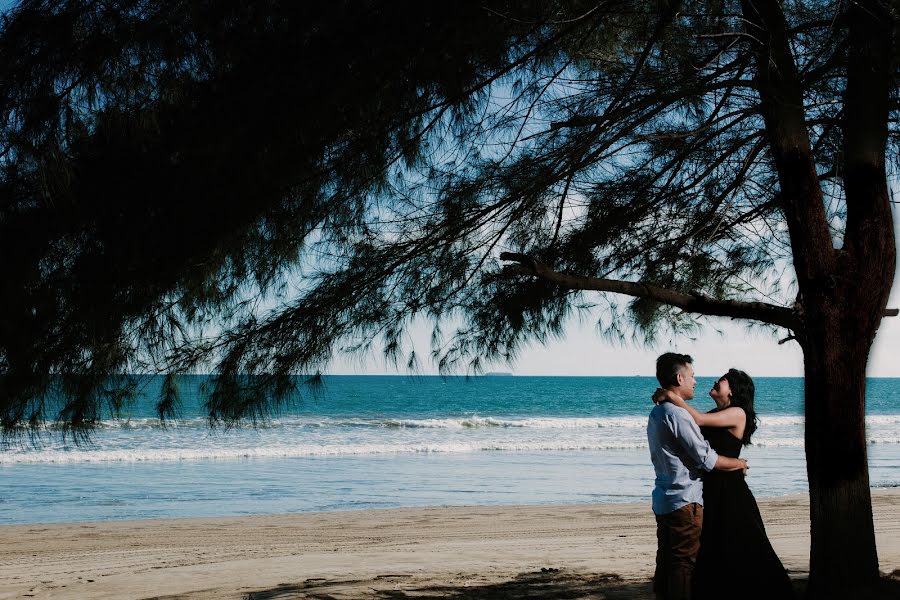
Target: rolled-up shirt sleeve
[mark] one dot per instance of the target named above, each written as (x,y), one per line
(695,445)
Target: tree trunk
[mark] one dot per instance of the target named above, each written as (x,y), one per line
(844,289)
(843,556)
(841,313)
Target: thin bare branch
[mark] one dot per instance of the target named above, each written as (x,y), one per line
(694,303)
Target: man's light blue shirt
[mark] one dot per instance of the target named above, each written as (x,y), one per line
(680,455)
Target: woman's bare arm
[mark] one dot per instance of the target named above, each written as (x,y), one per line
(730,417)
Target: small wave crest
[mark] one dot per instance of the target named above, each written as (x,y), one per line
(190,454)
(871,420)
(474,422)
(468,422)
(78,455)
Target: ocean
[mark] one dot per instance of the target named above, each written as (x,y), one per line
(367,442)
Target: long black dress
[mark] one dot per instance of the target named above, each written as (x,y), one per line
(736,559)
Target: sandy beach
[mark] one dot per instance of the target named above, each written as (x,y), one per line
(585,551)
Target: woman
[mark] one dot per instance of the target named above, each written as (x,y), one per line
(736,559)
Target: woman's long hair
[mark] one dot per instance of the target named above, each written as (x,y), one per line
(742,391)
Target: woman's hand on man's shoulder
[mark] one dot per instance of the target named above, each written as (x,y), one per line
(662,395)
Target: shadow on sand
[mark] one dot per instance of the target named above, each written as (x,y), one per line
(547,584)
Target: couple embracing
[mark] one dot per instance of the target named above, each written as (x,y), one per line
(711,539)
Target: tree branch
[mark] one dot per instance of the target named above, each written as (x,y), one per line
(578,121)
(694,303)
(782,108)
(870,79)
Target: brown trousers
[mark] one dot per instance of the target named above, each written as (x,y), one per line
(678,539)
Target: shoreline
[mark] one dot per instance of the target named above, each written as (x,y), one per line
(378,553)
(149,521)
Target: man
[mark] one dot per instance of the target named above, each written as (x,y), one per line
(680,455)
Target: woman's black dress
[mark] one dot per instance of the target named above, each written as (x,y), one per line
(736,559)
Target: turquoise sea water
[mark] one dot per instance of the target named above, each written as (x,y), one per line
(378,442)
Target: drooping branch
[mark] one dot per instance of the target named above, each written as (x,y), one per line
(694,303)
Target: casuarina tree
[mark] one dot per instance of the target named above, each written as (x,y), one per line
(495,168)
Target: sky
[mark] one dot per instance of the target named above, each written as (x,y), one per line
(583,352)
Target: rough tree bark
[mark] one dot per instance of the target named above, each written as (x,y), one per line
(842,327)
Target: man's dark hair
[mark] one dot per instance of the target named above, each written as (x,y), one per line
(667,367)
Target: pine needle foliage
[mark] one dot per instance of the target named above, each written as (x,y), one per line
(250,188)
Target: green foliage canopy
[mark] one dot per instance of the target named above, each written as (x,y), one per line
(361,164)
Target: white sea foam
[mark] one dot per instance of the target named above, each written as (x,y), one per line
(468,422)
(776,420)
(774,442)
(306,450)
(144,440)
(871,420)
(530,423)
(87,455)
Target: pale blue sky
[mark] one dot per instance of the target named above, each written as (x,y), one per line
(584,352)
